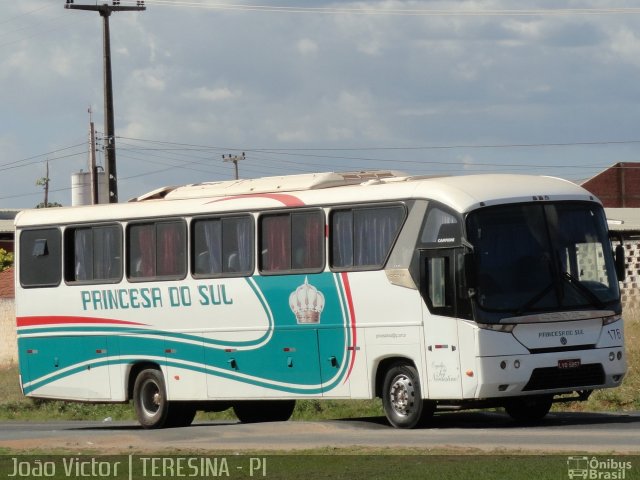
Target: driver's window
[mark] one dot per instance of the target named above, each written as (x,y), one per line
(439,285)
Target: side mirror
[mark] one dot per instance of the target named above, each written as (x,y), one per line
(620,265)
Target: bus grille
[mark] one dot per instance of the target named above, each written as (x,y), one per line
(551,378)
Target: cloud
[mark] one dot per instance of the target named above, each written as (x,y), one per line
(212,94)
(307,46)
(625,46)
(151,79)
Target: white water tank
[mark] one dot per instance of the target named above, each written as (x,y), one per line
(81,188)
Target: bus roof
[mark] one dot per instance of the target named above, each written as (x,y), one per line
(462,193)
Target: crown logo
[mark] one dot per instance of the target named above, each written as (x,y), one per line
(307,303)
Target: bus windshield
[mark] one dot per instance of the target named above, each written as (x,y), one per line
(542,257)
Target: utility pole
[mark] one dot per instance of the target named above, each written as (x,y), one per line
(110,140)
(44,182)
(93,170)
(235,159)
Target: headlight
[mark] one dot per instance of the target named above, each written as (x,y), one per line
(497,327)
(611,319)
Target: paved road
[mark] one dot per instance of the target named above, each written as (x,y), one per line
(457,432)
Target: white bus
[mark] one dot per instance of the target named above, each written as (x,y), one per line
(431,293)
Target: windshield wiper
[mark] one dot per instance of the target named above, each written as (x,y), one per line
(535,299)
(585,291)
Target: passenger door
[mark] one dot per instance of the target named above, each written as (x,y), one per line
(438,281)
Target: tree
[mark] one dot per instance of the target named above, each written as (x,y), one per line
(44,183)
(6,259)
(48,205)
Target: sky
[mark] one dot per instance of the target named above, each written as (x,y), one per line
(422,87)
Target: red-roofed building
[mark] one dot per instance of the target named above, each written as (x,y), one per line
(618,186)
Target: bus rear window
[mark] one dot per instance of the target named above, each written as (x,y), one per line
(40,258)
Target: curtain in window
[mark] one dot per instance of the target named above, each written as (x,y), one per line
(145,265)
(169,248)
(245,250)
(307,240)
(213,240)
(342,239)
(314,236)
(106,253)
(83,254)
(276,243)
(374,231)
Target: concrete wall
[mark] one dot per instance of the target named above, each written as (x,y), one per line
(8,347)
(631,284)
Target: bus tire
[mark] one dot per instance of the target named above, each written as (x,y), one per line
(529,409)
(150,399)
(180,414)
(264,410)
(402,397)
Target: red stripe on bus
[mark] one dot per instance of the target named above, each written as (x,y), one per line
(56,320)
(286,200)
(352,314)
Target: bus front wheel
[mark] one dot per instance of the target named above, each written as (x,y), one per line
(402,398)
(529,409)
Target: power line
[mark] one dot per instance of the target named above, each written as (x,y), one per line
(410,12)
(24,14)
(371,148)
(30,160)
(308,152)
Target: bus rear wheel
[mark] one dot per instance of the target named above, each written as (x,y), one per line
(402,398)
(152,408)
(264,410)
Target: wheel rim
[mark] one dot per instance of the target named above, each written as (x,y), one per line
(150,398)
(401,395)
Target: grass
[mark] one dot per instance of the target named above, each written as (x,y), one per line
(626,397)
(14,406)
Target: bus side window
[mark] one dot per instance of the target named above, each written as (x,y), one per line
(40,258)
(362,237)
(292,242)
(93,254)
(222,246)
(157,251)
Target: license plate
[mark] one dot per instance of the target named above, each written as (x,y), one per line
(567,364)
